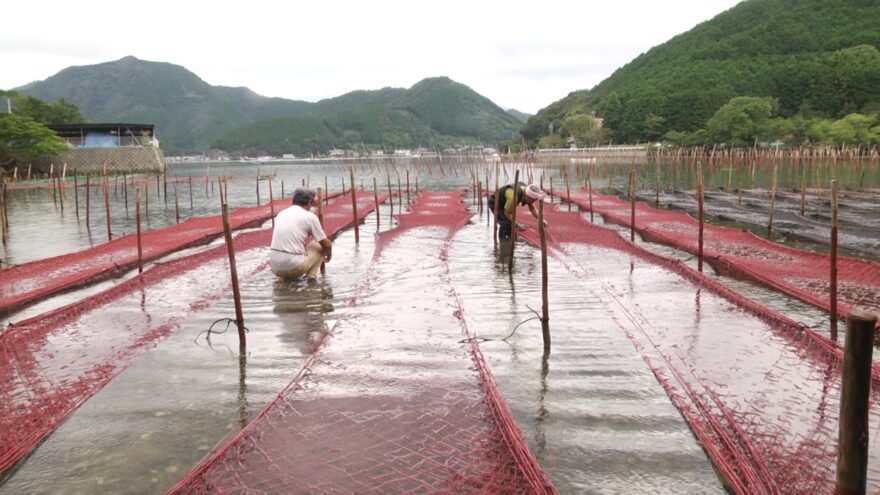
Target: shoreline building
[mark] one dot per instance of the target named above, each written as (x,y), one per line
(122,147)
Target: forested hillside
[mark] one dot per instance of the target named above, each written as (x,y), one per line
(809,60)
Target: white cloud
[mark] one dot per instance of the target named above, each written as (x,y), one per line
(520,55)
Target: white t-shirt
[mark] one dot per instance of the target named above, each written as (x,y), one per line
(293,226)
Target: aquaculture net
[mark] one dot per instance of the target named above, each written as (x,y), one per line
(52,363)
(802,274)
(384,409)
(32,281)
(761,395)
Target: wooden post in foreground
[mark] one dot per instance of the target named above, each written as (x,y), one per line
(832,285)
(852,449)
(137,219)
(354,206)
(271,203)
(545,306)
(236,294)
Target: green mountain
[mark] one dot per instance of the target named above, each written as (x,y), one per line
(815,58)
(190,115)
(519,116)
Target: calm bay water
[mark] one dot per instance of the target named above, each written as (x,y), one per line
(594,415)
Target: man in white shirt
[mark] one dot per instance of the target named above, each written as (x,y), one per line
(289,255)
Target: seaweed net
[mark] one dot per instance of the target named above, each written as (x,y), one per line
(30,282)
(761,395)
(800,274)
(385,410)
(52,363)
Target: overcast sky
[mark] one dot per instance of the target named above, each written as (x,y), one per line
(522,55)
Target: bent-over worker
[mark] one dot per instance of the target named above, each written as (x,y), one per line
(525,195)
(289,255)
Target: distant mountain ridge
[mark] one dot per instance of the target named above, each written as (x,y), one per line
(192,116)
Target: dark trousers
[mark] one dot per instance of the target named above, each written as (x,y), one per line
(504,227)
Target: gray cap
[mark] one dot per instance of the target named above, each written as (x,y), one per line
(302,195)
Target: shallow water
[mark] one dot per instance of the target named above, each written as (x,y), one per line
(593,414)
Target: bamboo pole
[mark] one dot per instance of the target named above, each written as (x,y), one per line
(190,183)
(271,203)
(632,202)
(137,219)
(545,305)
(390,199)
(76,194)
(88,194)
(376,202)
(804,192)
(832,286)
(854,431)
(354,206)
(700,217)
(772,200)
(233,272)
(589,185)
(257,182)
(107,205)
(176,204)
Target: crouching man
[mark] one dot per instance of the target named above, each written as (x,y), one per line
(289,255)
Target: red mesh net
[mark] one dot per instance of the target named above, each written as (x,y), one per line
(53,362)
(801,274)
(347,424)
(32,281)
(763,398)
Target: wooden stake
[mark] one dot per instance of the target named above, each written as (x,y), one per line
(545,306)
(700,217)
(832,286)
(376,202)
(76,194)
(271,203)
(632,202)
(354,206)
(87,200)
(852,450)
(137,217)
(772,200)
(321,199)
(236,294)
(107,205)
(176,204)
(390,200)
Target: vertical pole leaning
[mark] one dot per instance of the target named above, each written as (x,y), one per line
(354,206)
(772,199)
(632,201)
(236,294)
(852,450)
(137,220)
(832,285)
(545,305)
(700,217)
(376,202)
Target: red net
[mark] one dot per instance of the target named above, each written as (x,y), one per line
(51,363)
(801,274)
(29,282)
(762,396)
(369,413)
